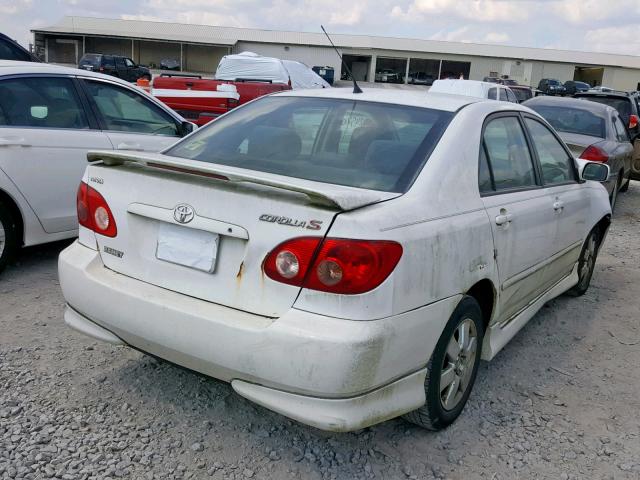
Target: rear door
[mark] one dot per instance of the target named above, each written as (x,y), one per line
(567,201)
(129,119)
(45,132)
(518,209)
(121,69)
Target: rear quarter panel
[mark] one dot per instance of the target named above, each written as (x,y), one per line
(440,223)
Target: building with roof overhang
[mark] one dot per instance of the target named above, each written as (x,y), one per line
(199,48)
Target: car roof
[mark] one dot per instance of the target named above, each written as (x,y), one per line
(11,67)
(614,93)
(598,109)
(418,98)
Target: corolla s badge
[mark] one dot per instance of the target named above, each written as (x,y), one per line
(183,213)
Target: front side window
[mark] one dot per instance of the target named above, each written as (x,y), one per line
(554,159)
(511,96)
(503,95)
(492,94)
(123,110)
(509,157)
(360,144)
(120,62)
(129,63)
(45,102)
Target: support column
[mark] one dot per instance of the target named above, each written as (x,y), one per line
(406,73)
(181,58)
(132,51)
(372,69)
(439,69)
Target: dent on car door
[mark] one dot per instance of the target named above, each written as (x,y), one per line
(45,132)
(568,200)
(130,120)
(516,206)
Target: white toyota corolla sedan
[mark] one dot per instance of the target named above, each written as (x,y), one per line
(339,258)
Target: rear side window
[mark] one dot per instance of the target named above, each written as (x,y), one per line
(508,154)
(360,144)
(620,131)
(503,95)
(555,162)
(45,102)
(492,94)
(122,110)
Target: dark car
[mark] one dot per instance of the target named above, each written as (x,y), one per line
(115,65)
(573,87)
(628,107)
(421,78)
(522,92)
(509,82)
(169,64)
(491,79)
(551,86)
(12,50)
(592,132)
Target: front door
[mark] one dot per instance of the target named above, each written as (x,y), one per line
(517,207)
(567,201)
(44,137)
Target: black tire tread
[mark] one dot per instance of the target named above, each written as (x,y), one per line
(10,228)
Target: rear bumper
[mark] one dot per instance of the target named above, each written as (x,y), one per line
(331,373)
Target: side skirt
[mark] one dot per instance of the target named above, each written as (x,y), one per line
(499,335)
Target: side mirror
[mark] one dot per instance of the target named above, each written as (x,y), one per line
(186,128)
(598,172)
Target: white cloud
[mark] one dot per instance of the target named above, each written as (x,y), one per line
(349,16)
(459,35)
(621,39)
(476,10)
(496,37)
(583,11)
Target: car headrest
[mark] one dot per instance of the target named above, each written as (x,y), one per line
(389,156)
(270,142)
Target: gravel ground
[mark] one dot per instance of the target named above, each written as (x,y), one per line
(560,402)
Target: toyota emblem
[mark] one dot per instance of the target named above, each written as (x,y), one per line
(183,213)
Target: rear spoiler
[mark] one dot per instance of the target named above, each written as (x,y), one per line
(324,194)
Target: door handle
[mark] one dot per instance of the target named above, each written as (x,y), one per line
(558,205)
(504,218)
(130,146)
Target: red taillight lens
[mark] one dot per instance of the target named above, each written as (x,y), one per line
(633,121)
(594,154)
(335,265)
(94,212)
(232,103)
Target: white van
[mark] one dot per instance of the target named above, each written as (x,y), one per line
(474,88)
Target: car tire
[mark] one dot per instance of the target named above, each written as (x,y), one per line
(8,236)
(453,363)
(613,198)
(625,187)
(586,263)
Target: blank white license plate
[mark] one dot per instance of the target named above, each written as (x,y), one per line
(185,246)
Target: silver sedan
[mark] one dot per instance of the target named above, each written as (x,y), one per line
(592,131)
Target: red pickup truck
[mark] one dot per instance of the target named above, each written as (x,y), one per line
(200,100)
(239,79)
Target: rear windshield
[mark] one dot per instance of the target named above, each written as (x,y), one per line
(554,82)
(90,59)
(572,120)
(359,144)
(622,105)
(522,94)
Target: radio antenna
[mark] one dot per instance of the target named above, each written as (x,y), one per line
(356,88)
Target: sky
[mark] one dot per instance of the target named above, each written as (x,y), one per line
(611,26)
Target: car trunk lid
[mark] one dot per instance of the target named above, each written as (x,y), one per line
(203,230)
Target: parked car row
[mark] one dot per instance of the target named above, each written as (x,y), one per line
(385,240)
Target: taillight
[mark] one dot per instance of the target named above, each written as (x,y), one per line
(594,154)
(335,265)
(633,121)
(232,103)
(94,212)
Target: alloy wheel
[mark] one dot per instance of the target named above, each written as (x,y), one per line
(588,259)
(3,239)
(458,363)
